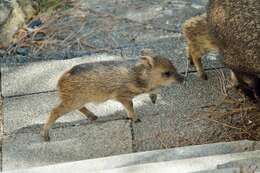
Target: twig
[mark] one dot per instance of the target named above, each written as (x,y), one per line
(225,124)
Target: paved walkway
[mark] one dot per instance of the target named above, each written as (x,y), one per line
(28,88)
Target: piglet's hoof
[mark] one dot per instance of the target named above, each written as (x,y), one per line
(137,120)
(191,62)
(92,118)
(132,120)
(203,76)
(153,98)
(45,136)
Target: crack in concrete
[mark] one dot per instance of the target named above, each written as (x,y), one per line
(132,137)
(29,94)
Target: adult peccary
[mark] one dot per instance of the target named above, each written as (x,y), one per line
(235,26)
(120,81)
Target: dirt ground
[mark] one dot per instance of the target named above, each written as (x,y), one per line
(236,118)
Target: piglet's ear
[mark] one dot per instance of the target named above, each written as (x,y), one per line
(147,61)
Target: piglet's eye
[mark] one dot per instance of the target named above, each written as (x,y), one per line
(167,74)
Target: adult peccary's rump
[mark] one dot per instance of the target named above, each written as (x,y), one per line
(120,81)
(235,26)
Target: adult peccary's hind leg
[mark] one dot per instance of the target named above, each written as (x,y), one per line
(248,83)
(234,80)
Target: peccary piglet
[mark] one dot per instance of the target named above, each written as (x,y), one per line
(199,42)
(120,81)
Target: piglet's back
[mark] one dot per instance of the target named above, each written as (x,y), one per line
(95,77)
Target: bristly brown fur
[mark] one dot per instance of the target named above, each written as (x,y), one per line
(235,26)
(120,81)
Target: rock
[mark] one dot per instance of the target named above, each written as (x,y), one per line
(39,36)
(13,15)
(29,8)
(22,51)
(2,52)
(35,23)
(5,11)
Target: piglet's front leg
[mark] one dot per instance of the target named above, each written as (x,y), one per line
(128,105)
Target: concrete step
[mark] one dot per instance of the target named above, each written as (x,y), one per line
(30,157)
(228,170)
(71,143)
(244,162)
(189,165)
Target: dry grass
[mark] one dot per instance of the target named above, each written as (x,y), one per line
(236,116)
(77,29)
(67,30)
(250,169)
(60,30)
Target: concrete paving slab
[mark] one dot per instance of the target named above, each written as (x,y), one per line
(119,31)
(26,111)
(23,111)
(24,150)
(20,112)
(175,14)
(147,11)
(174,49)
(176,114)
